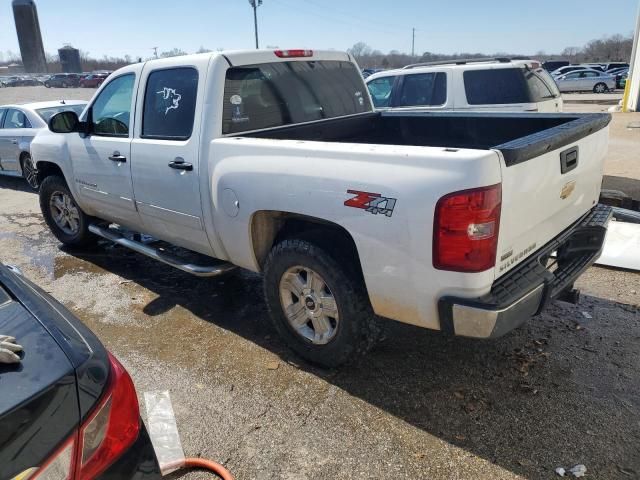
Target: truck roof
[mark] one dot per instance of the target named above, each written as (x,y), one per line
(249,57)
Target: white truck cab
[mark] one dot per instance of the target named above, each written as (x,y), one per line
(276,162)
(487,85)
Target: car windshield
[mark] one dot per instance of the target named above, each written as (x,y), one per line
(276,94)
(47,113)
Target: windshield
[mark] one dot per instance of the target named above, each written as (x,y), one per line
(276,94)
(47,113)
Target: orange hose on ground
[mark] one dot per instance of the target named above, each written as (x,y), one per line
(208,465)
(205,465)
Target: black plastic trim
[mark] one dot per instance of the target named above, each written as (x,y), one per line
(525,148)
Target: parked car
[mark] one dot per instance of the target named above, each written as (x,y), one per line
(594,66)
(93,80)
(19,124)
(619,74)
(21,82)
(552,65)
(481,85)
(609,66)
(63,80)
(586,81)
(68,409)
(276,161)
(622,83)
(569,68)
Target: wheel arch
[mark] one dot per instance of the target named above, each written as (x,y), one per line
(269,227)
(46,169)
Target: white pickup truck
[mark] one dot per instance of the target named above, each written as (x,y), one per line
(276,162)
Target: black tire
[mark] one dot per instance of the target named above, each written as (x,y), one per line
(600,88)
(29,171)
(358,329)
(47,84)
(64,84)
(53,185)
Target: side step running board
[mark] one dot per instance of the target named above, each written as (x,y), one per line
(162,256)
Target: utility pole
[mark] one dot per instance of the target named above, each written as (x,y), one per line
(413,43)
(155,51)
(255,4)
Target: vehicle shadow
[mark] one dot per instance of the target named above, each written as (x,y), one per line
(560,391)
(629,186)
(15,183)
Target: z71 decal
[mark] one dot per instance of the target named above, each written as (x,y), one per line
(371,202)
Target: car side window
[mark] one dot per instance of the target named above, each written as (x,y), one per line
(111,111)
(2,112)
(16,119)
(170,104)
(573,75)
(424,89)
(591,74)
(380,90)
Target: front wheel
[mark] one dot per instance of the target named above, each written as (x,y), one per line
(600,88)
(29,171)
(65,218)
(319,308)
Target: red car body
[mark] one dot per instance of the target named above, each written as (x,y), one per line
(94,80)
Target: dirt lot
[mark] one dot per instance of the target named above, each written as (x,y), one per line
(564,389)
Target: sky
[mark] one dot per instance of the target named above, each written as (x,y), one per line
(119,27)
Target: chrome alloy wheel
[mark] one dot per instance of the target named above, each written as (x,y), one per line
(29,172)
(64,212)
(309,305)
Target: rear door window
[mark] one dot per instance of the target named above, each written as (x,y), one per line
(275,94)
(423,89)
(495,86)
(170,104)
(2,112)
(380,90)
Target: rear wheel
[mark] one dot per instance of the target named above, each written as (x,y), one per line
(65,218)
(64,84)
(319,308)
(600,88)
(47,84)
(29,171)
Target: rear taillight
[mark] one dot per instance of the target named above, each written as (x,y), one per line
(465,230)
(293,53)
(111,428)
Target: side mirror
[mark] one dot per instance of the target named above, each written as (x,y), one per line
(64,122)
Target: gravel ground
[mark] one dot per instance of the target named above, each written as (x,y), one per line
(562,390)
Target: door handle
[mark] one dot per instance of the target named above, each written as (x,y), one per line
(14,141)
(116,157)
(180,164)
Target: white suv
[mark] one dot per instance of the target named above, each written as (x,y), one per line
(499,84)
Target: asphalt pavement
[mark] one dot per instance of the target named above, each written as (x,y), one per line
(562,390)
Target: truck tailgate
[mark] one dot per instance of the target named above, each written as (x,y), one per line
(549,180)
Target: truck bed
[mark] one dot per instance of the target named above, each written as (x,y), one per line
(519,136)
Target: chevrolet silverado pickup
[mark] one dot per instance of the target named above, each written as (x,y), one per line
(276,162)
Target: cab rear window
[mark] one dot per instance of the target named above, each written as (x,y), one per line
(275,94)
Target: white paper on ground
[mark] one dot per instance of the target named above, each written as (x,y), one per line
(163,431)
(622,246)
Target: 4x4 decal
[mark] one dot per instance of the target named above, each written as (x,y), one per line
(371,202)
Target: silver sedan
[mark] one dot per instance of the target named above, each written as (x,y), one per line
(19,124)
(586,81)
